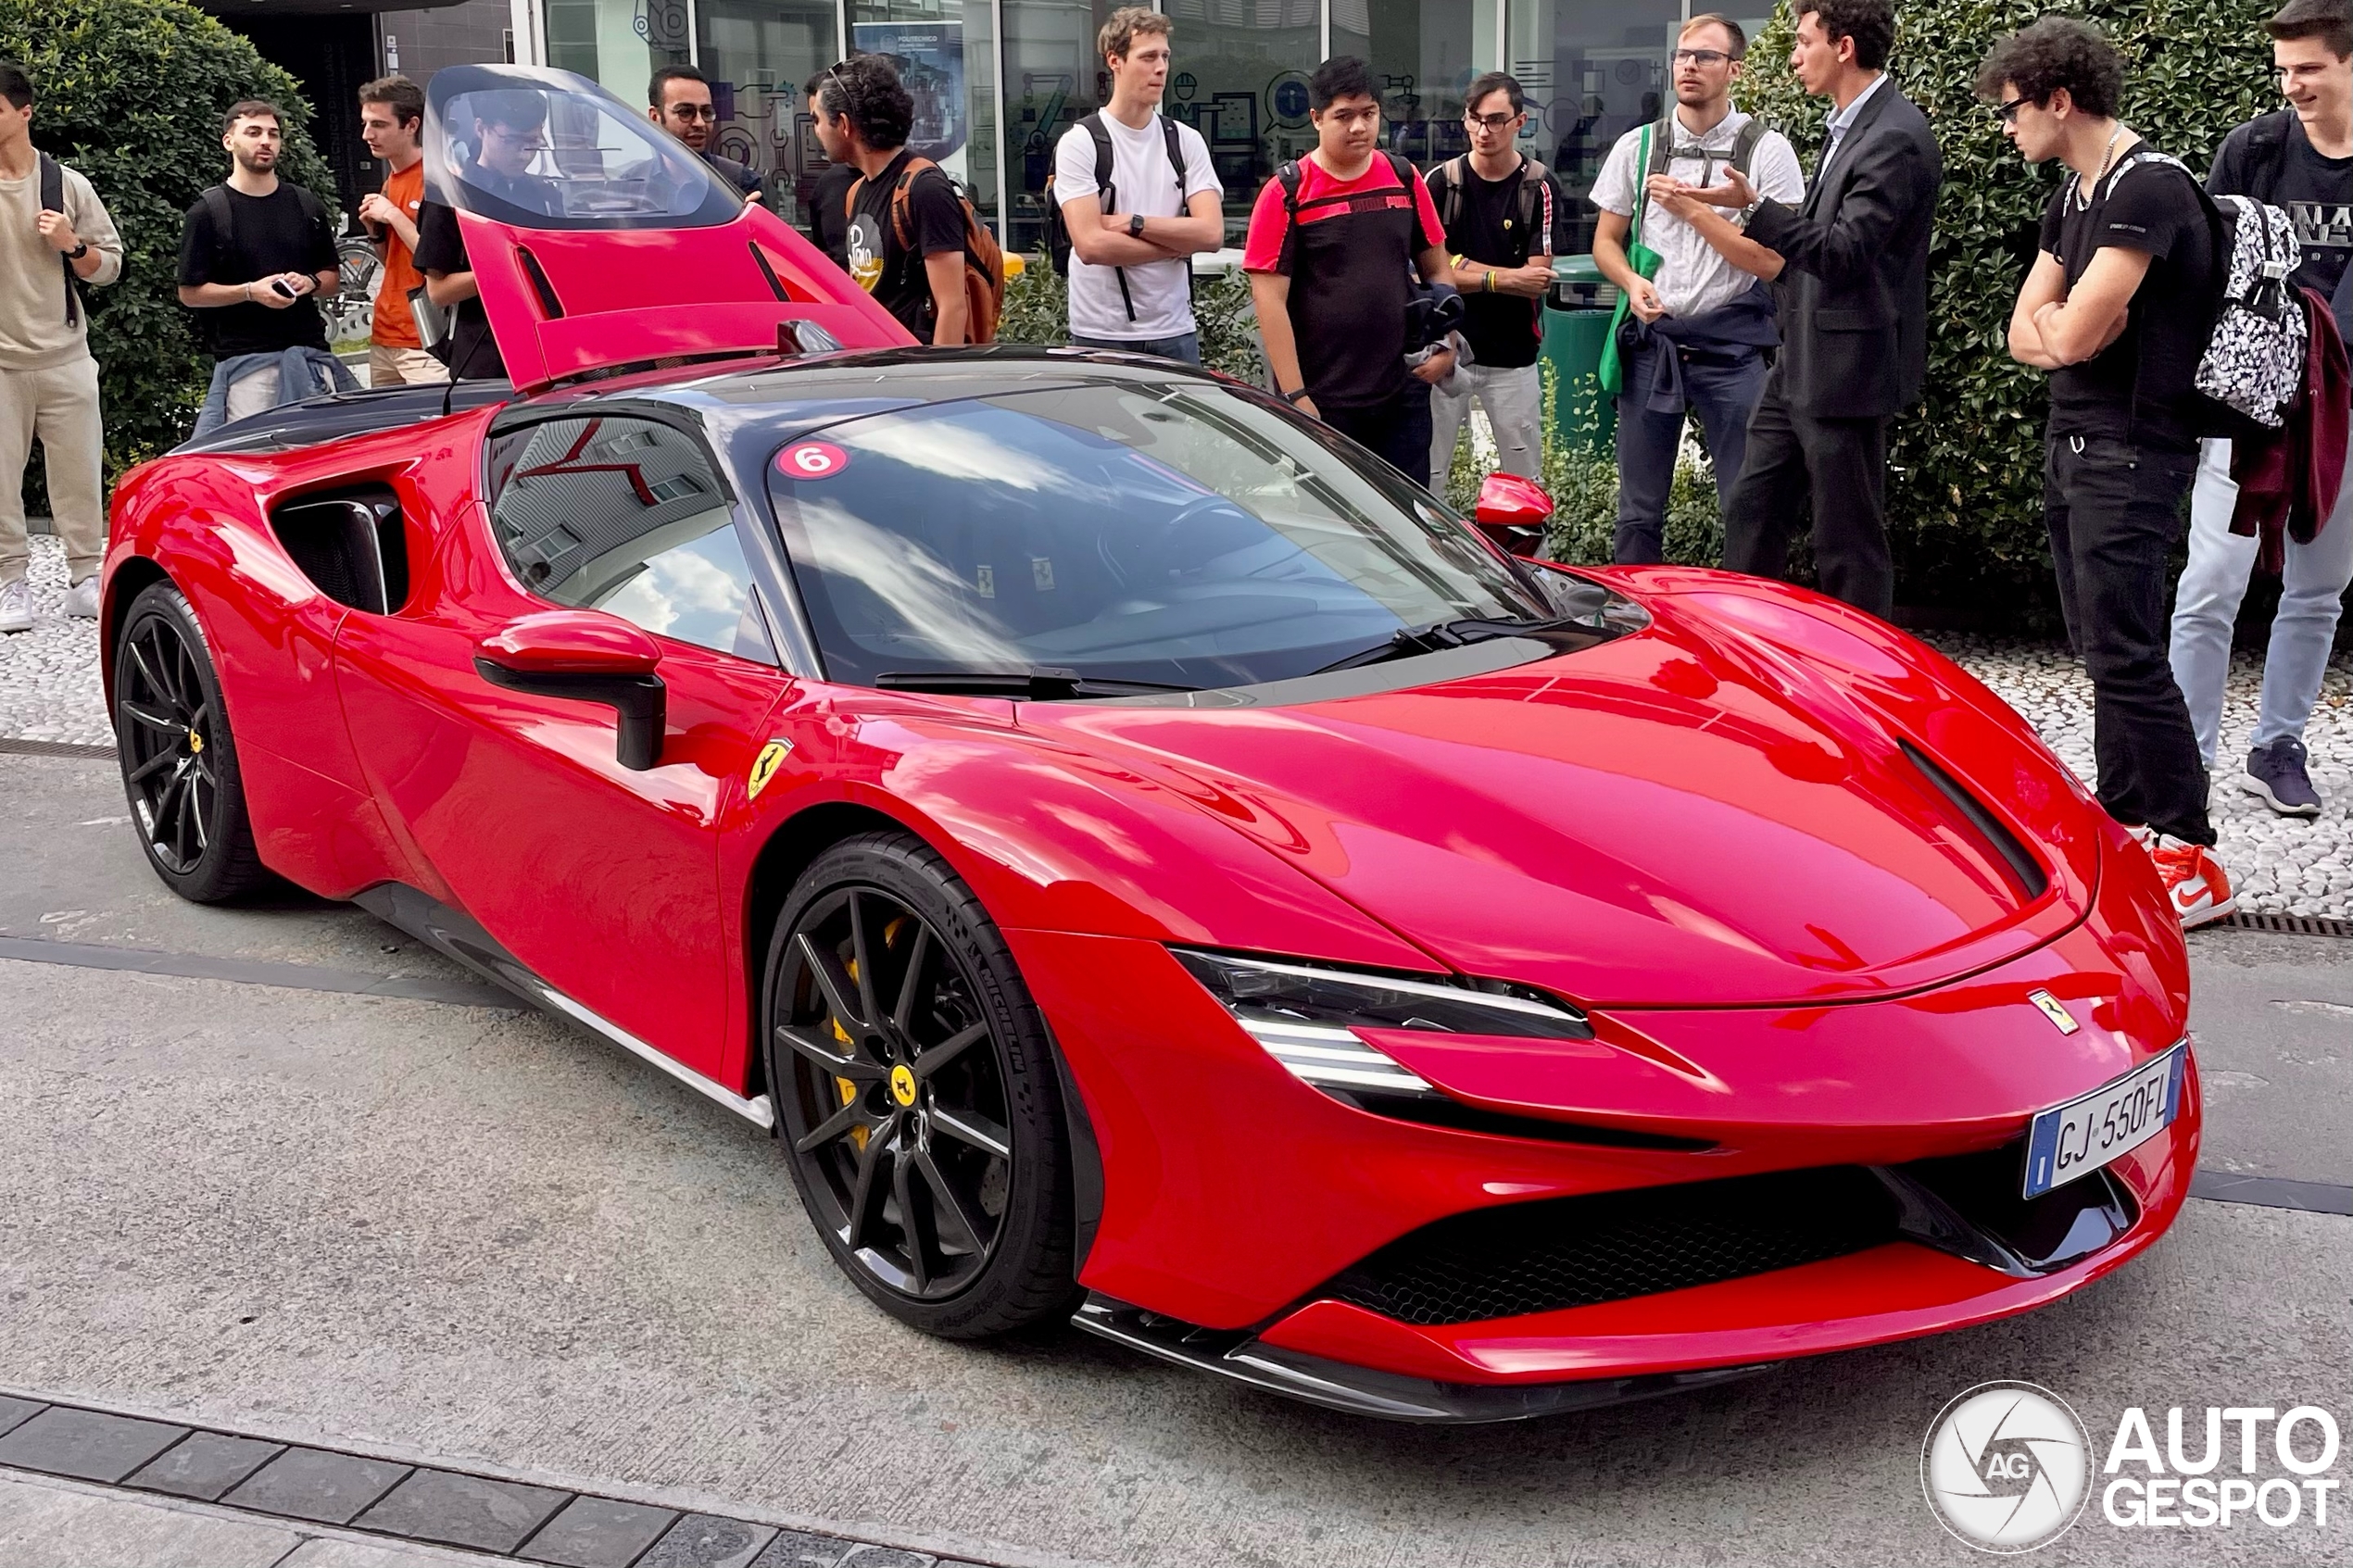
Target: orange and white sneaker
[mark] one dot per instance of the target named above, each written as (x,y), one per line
(2194,880)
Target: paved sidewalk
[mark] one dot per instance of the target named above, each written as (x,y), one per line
(46,1523)
(49,690)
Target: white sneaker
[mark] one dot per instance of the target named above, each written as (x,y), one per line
(81,599)
(16,604)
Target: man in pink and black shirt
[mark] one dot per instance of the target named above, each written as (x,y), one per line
(1334,243)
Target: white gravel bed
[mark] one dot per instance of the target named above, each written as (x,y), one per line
(2278,865)
(2283,865)
(49,686)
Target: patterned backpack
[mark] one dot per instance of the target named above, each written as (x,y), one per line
(2252,371)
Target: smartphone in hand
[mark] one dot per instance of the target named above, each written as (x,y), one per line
(282,288)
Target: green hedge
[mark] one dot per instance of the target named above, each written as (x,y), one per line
(1965,484)
(131,93)
(1038,310)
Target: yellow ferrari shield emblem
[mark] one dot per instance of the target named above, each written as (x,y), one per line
(2061,1019)
(763,767)
(903,1085)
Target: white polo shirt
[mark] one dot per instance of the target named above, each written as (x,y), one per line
(1693,277)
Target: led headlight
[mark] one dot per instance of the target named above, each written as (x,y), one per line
(1307,1015)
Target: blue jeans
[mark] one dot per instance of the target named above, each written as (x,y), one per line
(2312,583)
(301,372)
(1184,345)
(1723,389)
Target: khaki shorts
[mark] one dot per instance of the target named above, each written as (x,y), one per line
(388,366)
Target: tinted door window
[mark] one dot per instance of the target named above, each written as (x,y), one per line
(626,516)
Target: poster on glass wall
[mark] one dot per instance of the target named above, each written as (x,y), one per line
(930,60)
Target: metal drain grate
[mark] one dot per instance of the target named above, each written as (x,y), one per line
(52,748)
(2291,926)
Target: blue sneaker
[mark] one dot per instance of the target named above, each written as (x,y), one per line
(2276,773)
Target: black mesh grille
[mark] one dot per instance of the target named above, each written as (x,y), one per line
(1576,1252)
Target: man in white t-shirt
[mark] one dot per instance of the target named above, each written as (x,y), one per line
(1132,237)
(1697,331)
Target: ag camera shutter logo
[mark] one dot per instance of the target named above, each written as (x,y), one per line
(2006,1467)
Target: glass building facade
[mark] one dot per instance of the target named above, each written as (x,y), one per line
(1594,70)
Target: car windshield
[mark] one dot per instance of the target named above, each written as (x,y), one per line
(546,149)
(1168,532)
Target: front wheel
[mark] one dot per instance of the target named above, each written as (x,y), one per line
(915,1091)
(178,760)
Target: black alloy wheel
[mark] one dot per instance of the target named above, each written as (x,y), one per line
(913,1086)
(178,762)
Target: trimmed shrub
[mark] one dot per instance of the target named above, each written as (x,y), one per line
(131,93)
(1964,481)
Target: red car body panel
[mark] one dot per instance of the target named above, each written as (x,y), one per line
(1795,947)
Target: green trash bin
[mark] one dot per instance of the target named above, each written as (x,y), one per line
(1576,318)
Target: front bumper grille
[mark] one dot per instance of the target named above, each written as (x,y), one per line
(1563,1252)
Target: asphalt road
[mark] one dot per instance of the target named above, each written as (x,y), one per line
(470,1234)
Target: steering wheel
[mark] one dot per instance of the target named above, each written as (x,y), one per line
(1152,543)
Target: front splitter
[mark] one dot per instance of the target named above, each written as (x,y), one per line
(1240,1355)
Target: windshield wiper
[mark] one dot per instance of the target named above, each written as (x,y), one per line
(1045,683)
(1407,641)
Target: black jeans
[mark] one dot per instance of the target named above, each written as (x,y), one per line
(1834,470)
(1397,429)
(2114,510)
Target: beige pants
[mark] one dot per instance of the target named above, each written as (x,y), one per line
(59,408)
(388,366)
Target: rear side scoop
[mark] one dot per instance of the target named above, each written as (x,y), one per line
(567,303)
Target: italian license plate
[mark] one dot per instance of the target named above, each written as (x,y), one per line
(2077,1138)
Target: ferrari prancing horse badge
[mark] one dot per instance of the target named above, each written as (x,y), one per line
(763,767)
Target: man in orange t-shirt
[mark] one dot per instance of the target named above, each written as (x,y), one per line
(392,121)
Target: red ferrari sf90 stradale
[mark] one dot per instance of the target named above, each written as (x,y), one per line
(1139,856)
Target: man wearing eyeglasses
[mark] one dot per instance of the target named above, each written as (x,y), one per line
(1504,218)
(678,99)
(1699,325)
(1852,307)
(510,133)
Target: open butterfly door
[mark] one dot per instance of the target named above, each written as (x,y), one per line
(599,241)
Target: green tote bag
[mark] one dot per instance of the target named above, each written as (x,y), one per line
(1639,256)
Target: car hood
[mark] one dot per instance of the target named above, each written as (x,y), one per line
(1686,816)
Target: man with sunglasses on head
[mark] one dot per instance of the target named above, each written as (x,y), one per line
(1504,218)
(678,99)
(1697,327)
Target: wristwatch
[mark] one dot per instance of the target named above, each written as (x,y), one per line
(1294,396)
(78,252)
(1136,226)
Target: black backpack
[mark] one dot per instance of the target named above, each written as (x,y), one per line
(1287,175)
(223,212)
(1058,231)
(1532,200)
(53,199)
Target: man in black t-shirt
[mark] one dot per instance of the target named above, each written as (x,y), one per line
(829,227)
(2299,159)
(1504,219)
(2118,309)
(917,275)
(510,133)
(254,252)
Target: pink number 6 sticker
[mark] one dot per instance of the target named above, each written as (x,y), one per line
(812,459)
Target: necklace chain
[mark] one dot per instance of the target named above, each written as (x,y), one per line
(2083,189)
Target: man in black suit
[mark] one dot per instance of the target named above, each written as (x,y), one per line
(1853,297)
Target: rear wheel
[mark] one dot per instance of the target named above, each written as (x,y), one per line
(914,1090)
(179,763)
